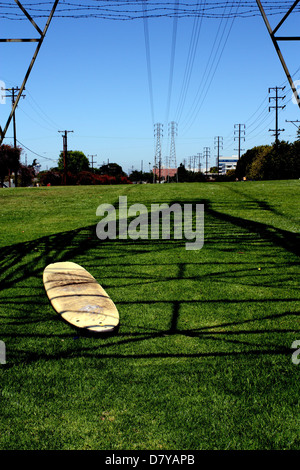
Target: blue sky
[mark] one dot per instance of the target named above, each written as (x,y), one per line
(91,77)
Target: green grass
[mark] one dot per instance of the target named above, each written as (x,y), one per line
(202,359)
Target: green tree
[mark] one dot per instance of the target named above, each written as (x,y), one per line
(137,175)
(76,162)
(111,169)
(280,161)
(257,170)
(243,167)
(284,161)
(185,175)
(214,169)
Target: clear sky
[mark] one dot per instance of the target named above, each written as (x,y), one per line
(93,76)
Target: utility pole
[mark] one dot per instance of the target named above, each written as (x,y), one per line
(218,146)
(294,122)
(159,170)
(195,159)
(92,157)
(276,98)
(206,153)
(167,166)
(172,133)
(241,133)
(13,100)
(65,147)
(158,133)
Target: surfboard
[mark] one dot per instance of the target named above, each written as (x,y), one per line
(79,299)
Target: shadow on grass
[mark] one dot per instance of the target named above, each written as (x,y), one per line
(23,295)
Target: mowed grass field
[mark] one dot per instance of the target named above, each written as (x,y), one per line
(202,359)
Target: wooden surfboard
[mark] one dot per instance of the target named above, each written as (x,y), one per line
(80,300)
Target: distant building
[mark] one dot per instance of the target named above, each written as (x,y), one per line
(227,163)
(165,173)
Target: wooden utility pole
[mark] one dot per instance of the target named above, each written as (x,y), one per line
(240,137)
(13,96)
(276,98)
(92,162)
(65,150)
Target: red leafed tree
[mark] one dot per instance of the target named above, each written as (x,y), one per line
(9,162)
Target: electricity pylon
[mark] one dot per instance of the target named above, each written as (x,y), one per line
(275,39)
(39,41)
(173,131)
(158,134)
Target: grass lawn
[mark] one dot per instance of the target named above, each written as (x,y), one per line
(203,357)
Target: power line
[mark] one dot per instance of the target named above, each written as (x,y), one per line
(190,63)
(40,112)
(173,48)
(37,154)
(209,73)
(131,10)
(148,58)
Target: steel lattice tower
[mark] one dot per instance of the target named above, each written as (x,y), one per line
(39,41)
(275,38)
(158,134)
(172,133)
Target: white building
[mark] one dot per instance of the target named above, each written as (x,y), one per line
(227,163)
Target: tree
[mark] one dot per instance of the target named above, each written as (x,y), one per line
(50,177)
(26,175)
(185,175)
(140,176)
(111,169)
(214,169)
(9,162)
(243,166)
(280,161)
(76,162)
